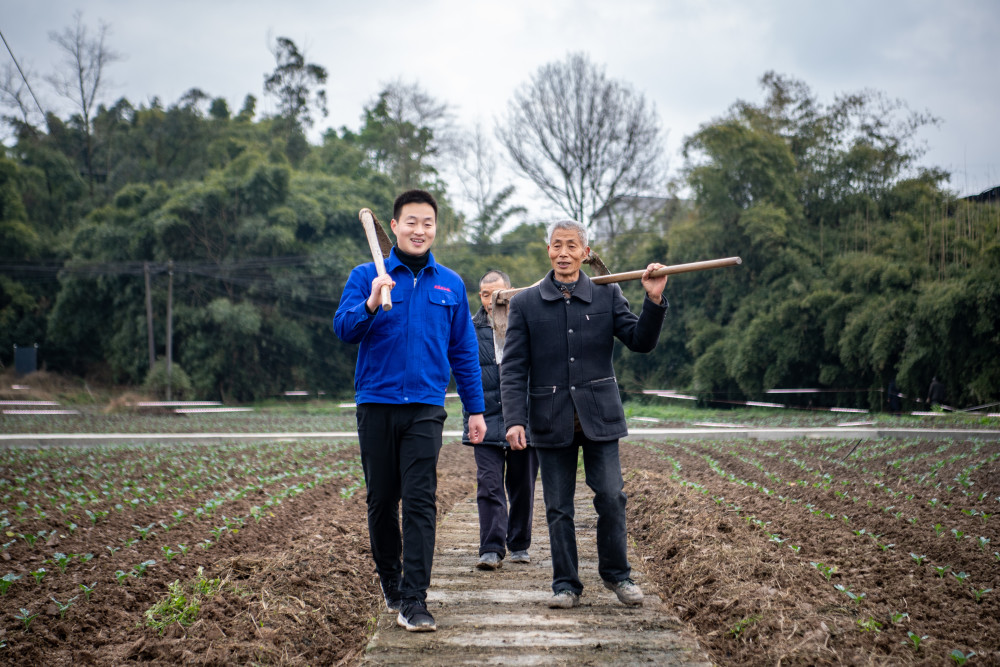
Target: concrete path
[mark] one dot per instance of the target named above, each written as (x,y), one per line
(501,617)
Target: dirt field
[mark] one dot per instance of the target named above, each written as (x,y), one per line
(269,549)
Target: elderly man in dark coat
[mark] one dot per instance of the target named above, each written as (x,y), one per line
(557,380)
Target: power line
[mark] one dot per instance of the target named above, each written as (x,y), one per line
(23,77)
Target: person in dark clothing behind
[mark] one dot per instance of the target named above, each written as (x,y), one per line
(499,531)
(935,393)
(405,361)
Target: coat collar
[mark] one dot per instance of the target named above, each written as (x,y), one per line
(584,288)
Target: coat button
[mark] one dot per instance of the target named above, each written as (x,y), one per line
(571,331)
(572,388)
(572,359)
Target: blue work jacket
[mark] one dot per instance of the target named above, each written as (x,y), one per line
(407,354)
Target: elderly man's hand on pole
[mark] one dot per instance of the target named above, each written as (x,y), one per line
(654,286)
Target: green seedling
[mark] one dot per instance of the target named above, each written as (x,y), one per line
(827,570)
(856,598)
(113,549)
(140,569)
(869,625)
(206,586)
(25,617)
(39,574)
(897,617)
(978,593)
(87,590)
(169,552)
(941,570)
(144,533)
(938,529)
(62,560)
(120,577)
(961,576)
(184,549)
(982,542)
(914,640)
(217,532)
(743,624)
(63,608)
(959,534)
(959,657)
(8,581)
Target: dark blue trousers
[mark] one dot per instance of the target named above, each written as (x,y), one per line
(603,474)
(500,469)
(399,453)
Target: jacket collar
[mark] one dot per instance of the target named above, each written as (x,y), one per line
(392,261)
(584,290)
(481,318)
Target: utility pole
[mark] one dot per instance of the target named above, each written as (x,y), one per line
(149,317)
(170,324)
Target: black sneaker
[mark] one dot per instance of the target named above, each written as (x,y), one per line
(390,593)
(413,616)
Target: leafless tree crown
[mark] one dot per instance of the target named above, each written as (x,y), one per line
(581,137)
(85,60)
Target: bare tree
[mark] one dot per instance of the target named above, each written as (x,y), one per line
(477,174)
(82,81)
(16,94)
(582,138)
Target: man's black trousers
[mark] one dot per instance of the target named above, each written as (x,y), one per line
(399,453)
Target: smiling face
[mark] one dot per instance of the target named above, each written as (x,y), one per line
(415,228)
(567,252)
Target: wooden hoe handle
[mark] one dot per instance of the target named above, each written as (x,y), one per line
(368,220)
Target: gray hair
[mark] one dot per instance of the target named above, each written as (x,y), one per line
(571,225)
(495,274)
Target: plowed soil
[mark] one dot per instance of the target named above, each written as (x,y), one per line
(746,541)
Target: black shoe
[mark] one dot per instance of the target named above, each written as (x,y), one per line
(390,593)
(413,616)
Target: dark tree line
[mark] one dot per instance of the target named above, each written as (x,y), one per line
(858,267)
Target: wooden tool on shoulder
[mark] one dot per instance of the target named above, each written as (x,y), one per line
(501,298)
(380,245)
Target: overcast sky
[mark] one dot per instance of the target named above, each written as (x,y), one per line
(692,59)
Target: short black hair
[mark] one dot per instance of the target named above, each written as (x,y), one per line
(413,197)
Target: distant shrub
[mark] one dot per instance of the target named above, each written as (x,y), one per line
(156,382)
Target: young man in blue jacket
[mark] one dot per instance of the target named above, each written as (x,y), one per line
(405,360)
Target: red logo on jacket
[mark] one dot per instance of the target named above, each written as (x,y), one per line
(446,289)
